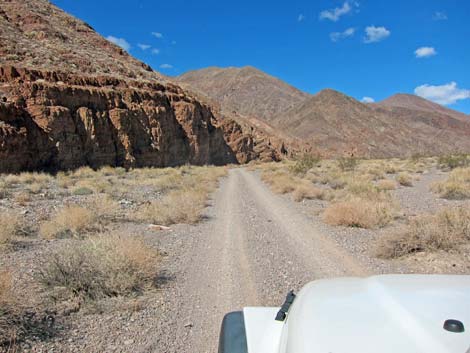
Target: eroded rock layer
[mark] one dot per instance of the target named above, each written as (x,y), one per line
(54,120)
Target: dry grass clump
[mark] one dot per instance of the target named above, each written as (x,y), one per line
(8,324)
(280,181)
(457,185)
(443,231)
(359,212)
(104,207)
(10,224)
(305,190)
(386,184)
(69,221)
(102,266)
(404,179)
(178,206)
(28,178)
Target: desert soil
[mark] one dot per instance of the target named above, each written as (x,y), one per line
(251,249)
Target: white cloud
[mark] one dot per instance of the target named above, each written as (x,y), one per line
(335,14)
(157,34)
(336,36)
(367,100)
(439,16)
(120,42)
(155,51)
(376,34)
(445,94)
(166,66)
(425,52)
(301,17)
(143,46)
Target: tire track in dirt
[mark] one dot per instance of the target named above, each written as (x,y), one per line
(251,250)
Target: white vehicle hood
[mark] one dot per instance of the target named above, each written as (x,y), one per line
(386,314)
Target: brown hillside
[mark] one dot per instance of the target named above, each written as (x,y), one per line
(247,91)
(338,124)
(413,102)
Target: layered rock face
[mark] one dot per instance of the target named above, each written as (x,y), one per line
(53,120)
(69,97)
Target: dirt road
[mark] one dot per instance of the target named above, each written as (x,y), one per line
(253,249)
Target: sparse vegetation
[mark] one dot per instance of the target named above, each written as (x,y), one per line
(386,184)
(456,187)
(8,324)
(443,231)
(178,206)
(9,225)
(347,163)
(304,163)
(405,179)
(454,161)
(305,190)
(102,266)
(359,212)
(69,221)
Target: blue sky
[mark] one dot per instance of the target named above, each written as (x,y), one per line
(364,48)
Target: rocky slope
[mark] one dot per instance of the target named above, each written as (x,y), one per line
(415,103)
(332,123)
(69,98)
(246,91)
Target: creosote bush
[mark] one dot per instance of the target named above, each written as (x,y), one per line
(443,231)
(304,163)
(348,163)
(454,161)
(102,266)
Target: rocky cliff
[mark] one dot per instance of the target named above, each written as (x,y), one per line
(54,120)
(69,98)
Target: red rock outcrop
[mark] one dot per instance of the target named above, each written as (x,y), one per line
(54,120)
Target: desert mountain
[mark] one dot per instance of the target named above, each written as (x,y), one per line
(413,102)
(68,98)
(336,124)
(246,91)
(331,122)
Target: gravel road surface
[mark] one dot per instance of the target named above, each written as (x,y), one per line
(251,251)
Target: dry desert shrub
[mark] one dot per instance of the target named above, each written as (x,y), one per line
(454,161)
(443,231)
(305,190)
(359,212)
(178,206)
(8,327)
(102,266)
(348,163)
(457,185)
(10,224)
(386,184)
(280,182)
(69,221)
(304,163)
(404,179)
(104,207)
